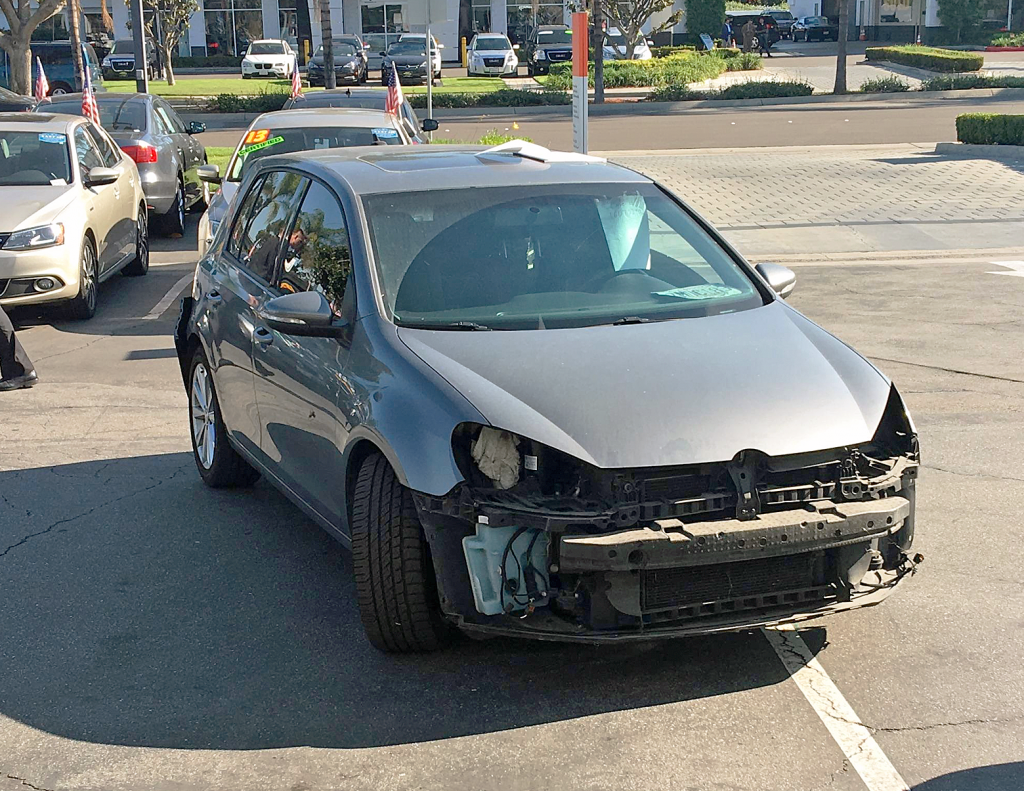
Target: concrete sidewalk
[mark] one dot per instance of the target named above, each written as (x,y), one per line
(846,199)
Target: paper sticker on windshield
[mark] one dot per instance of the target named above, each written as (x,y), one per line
(706,291)
(52,137)
(265,144)
(384,131)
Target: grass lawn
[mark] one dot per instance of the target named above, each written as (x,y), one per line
(212,86)
(219,155)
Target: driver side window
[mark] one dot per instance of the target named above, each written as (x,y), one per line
(86,151)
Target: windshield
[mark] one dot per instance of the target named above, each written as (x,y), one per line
(816,20)
(266,142)
(124,116)
(780,14)
(123,48)
(340,48)
(554,37)
(266,48)
(548,257)
(492,44)
(34,158)
(407,48)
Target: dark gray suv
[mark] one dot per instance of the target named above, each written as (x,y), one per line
(537,395)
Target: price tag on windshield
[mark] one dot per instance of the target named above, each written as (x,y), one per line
(256,136)
(384,131)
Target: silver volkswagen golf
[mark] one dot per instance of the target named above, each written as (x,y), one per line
(537,395)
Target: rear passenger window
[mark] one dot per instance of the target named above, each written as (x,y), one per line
(265,217)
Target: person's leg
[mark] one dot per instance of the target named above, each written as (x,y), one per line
(14,362)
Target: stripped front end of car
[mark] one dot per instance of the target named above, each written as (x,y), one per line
(542,545)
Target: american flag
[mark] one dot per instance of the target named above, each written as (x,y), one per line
(89,108)
(296,80)
(42,86)
(394,100)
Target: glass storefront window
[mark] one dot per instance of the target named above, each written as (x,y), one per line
(232,24)
(384,18)
(289,20)
(896,12)
(219,34)
(480,16)
(248,28)
(523,18)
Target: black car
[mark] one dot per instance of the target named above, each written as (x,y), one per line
(815,28)
(11,102)
(363,98)
(119,63)
(784,20)
(548,44)
(349,63)
(409,58)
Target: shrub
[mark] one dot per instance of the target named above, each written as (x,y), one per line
(928,57)
(767,89)
(506,97)
(661,52)
(1008,40)
(675,69)
(990,129)
(743,61)
(266,102)
(704,16)
(211,62)
(959,82)
(885,85)
(960,17)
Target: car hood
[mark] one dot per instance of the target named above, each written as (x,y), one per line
(338,59)
(675,392)
(492,53)
(269,58)
(555,47)
(31,206)
(406,60)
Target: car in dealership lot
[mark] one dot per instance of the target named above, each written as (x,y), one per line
(547,44)
(268,58)
(615,46)
(376,46)
(163,146)
(349,64)
(435,49)
(76,214)
(815,28)
(409,59)
(11,102)
(492,54)
(119,63)
(290,131)
(58,65)
(539,396)
(367,99)
(784,20)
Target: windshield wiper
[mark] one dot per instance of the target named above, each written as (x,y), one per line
(455,325)
(630,320)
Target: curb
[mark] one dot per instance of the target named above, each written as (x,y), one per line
(1004,49)
(973,150)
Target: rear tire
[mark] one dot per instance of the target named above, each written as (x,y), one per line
(173,222)
(140,264)
(395,583)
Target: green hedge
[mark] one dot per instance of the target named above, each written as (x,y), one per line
(990,129)
(929,58)
(211,62)
(662,52)
(767,89)
(884,85)
(506,97)
(676,69)
(961,82)
(1008,40)
(266,102)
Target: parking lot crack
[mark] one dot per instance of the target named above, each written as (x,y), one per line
(951,724)
(26,783)
(973,474)
(948,370)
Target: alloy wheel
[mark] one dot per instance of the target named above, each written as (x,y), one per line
(142,242)
(88,283)
(204,425)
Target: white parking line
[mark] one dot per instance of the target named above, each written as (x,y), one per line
(169,297)
(853,738)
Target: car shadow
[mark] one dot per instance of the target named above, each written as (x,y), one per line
(997,777)
(141,608)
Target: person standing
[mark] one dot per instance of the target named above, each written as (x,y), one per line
(727,34)
(16,369)
(747,31)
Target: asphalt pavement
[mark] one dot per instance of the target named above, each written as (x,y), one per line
(161,635)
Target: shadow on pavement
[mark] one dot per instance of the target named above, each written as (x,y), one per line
(997,777)
(140,608)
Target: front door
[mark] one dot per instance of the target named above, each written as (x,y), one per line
(304,399)
(102,201)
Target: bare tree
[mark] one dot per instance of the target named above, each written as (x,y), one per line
(597,47)
(326,35)
(22,21)
(844,30)
(171,17)
(629,16)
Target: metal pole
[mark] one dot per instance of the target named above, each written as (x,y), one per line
(430,74)
(580,58)
(139,37)
(1009,16)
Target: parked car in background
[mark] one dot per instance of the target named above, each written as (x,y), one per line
(409,59)
(58,65)
(164,149)
(435,48)
(784,20)
(404,343)
(547,44)
(815,28)
(289,131)
(615,46)
(492,54)
(11,102)
(268,58)
(367,99)
(74,212)
(119,64)
(376,46)
(349,64)
(356,41)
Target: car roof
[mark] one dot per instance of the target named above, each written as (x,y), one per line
(322,98)
(324,116)
(383,169)
(107,97)
(268,41)
(553,27)
(40,122)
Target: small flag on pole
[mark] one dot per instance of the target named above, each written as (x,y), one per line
(42,89)
(89,108)
(296,80)
(395,99)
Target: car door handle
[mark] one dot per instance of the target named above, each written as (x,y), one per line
(214,298)
(263,337)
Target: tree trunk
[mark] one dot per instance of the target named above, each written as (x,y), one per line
(598,45)
(108,20)
(330,79)
(844,29)
(166,49)
(75,12)
(20,59)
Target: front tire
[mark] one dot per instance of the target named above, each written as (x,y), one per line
(395,583)
(83,306)
(220,466)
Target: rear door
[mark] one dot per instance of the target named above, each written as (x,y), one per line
(189,150)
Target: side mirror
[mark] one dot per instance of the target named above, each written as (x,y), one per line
(209,173)
(382,54)
(196,127)
(305,313)
(650,42)
(97,177)
(782,279)
(429,125)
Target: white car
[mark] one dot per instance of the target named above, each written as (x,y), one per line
(435,49)
(492,54)
(287,131)
(615,47)
(75,216)
(268,58)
